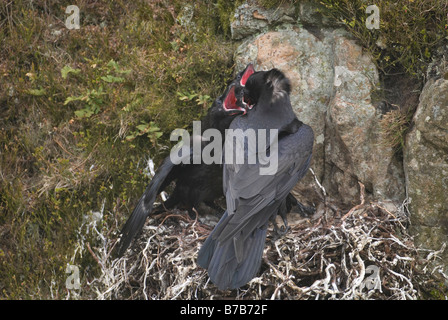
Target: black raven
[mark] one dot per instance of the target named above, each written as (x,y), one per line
(232,253)
(195,183)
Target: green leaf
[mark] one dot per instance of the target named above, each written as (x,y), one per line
(37,92)
(142,127)
(84,113)
(113,64)
(70,99)
(111,79)
(67,69)
(130,137)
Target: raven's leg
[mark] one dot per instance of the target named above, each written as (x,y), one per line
(293,203)
(282,212)
(287,205)
(218,211)
(304,211)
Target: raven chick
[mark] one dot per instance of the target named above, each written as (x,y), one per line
(195,183)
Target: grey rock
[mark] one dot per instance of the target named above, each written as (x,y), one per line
(331,81)
(355,148)
(426,167)
(250,18)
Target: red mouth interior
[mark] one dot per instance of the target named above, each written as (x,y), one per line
(247,73)
(230,101)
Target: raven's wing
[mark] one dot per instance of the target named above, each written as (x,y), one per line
(164,175)
(232,253)
(248,193)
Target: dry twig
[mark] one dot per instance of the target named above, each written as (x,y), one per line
(368,255)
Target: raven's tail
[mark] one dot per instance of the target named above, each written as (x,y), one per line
(144,206)
(221,262)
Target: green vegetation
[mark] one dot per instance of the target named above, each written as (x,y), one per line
(395,125)
(79,112)
(409,33)
(81,109)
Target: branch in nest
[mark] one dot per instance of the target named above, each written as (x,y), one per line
(359,206)
(324,192)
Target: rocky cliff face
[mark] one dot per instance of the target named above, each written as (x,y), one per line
(426,166)
(333,80)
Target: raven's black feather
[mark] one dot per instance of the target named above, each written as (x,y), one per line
(233,251)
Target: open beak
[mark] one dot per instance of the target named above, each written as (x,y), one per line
(230,105)
(247,105)
(246,74)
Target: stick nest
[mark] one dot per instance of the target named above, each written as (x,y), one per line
(363,253)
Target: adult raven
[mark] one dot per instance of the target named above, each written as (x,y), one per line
(195,183)
(232,253)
